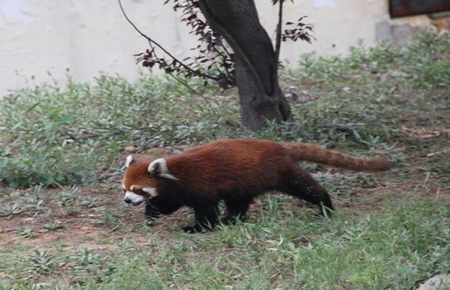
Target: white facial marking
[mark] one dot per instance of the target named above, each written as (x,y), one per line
(150,190)
(128,161)
(123,186)
(135,198)
(162,166)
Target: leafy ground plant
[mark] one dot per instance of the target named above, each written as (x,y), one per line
(63,224)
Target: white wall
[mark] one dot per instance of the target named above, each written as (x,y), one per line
(84,37)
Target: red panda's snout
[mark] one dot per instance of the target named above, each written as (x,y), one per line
(136,194)
(133,198)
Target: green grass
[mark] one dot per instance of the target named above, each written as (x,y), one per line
(63,225)
(391,248)
(56,136)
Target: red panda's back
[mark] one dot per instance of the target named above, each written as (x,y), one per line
(229,164)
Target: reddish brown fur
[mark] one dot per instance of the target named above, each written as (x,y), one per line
(226,164)
(317,154)
(236,170)
(137,175)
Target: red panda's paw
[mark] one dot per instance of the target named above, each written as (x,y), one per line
(191,230)
(197,229)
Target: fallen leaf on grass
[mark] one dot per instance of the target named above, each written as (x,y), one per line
(446,150)
(424,132)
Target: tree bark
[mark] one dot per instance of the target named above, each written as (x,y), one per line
(261,98)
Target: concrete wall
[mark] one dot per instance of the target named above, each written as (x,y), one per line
(45,40)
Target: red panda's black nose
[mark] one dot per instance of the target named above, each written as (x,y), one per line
(127,200)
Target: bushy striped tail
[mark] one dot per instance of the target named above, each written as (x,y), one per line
(315,153)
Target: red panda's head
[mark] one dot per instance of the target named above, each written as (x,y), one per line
(141,179)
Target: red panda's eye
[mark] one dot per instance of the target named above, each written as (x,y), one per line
(138,191)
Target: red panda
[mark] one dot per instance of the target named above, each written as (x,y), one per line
(235,171)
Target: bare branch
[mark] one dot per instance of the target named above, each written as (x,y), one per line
(279,27)
(174,59)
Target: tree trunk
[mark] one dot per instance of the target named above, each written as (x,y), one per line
(261,98)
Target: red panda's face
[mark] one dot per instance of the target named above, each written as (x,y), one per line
(138,184)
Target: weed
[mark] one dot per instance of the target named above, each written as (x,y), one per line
(53,226)
(10,210)
(70,196)
(41,262)
(87,265)
(26,232)
(107,218)
(36,204)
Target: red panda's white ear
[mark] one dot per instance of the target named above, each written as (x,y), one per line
(155,167)
(159,168)
(129,161)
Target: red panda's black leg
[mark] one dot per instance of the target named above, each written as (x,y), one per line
(301,184)
(151,211)
(236,210)
(205,219)
(161,204)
